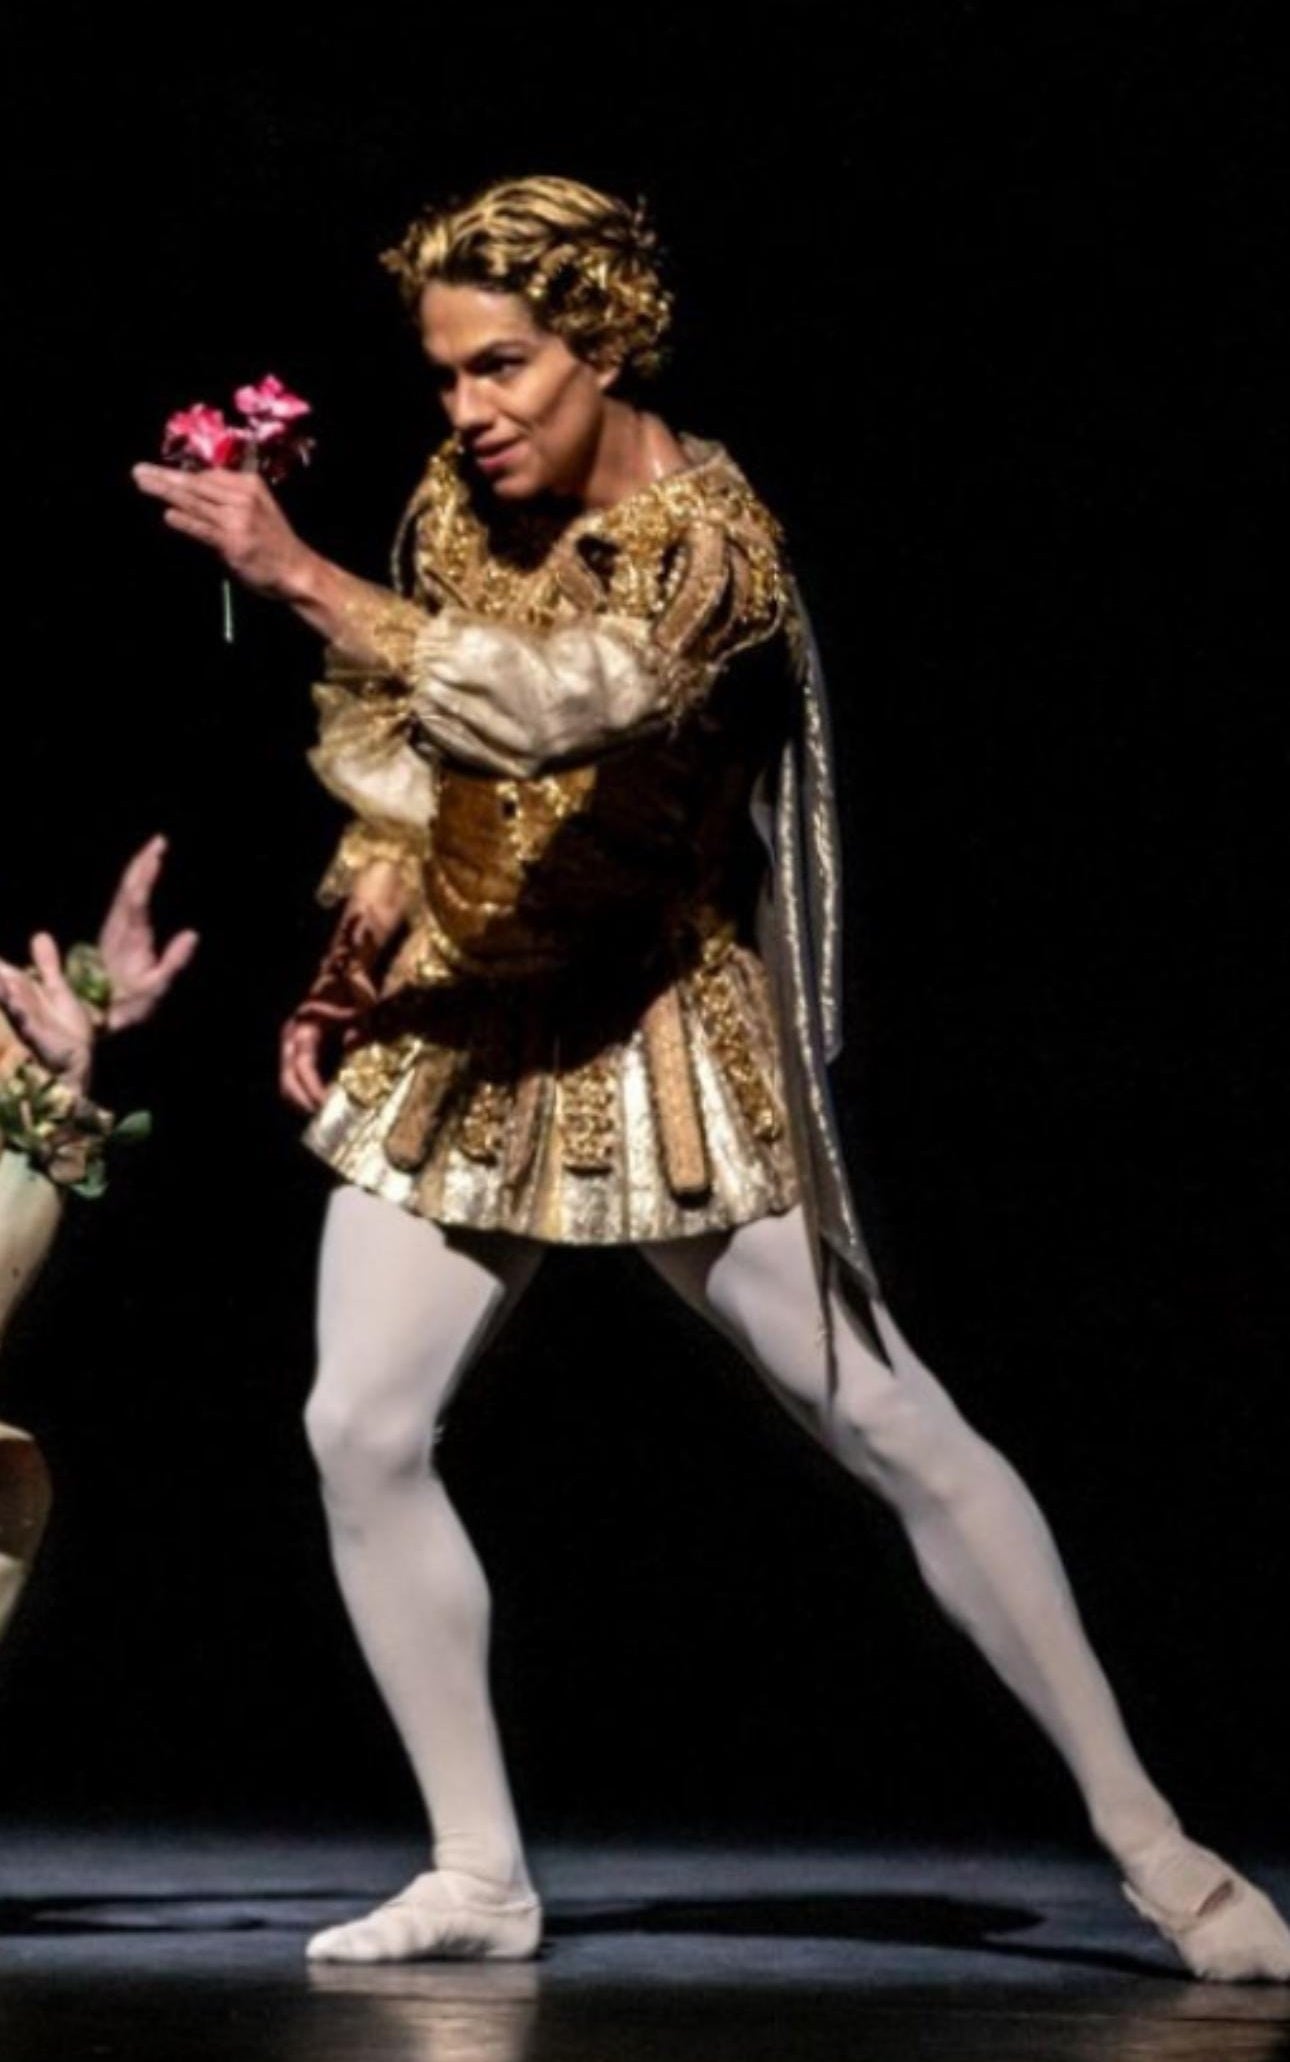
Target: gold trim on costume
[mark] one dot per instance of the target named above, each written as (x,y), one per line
(675,1098)
(588,1115)
(434,1076)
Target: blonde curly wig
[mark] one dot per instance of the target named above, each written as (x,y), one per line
(587,263)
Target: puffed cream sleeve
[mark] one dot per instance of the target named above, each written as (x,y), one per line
(365,757)
(516,700)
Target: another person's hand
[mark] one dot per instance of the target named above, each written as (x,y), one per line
(140,976)
(47,1011)
(236,515)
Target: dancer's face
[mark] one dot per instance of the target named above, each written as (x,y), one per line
(528,411)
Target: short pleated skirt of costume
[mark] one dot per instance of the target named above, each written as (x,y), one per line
(555,1114)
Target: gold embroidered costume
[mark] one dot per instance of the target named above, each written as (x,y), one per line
(576,1039)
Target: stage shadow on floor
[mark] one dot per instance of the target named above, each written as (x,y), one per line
(767,1922)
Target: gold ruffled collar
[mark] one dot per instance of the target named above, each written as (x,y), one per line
(523,558)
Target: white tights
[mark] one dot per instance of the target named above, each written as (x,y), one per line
(403,1310)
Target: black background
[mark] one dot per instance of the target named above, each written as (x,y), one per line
(984,303)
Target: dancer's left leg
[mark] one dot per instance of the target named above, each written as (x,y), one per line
(987,1555)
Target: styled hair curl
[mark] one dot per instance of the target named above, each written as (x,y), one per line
(588,264)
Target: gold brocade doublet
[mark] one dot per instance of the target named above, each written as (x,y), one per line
(574,1040)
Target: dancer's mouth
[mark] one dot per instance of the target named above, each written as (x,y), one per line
(492,458)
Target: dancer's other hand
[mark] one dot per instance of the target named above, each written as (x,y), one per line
(305,1048)
(315,1038)
(237,516)
(327,1022)
(140,976)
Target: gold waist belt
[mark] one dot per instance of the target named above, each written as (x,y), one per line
(435,955)
(486,1057)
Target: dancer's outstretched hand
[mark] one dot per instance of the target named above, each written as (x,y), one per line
(139,974)
(48,1012)
(237,515)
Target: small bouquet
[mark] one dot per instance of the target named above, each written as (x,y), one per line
(59,1130)
(269,440)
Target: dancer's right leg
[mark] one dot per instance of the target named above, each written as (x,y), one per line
(403,1308)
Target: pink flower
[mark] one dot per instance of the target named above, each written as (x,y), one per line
(270,402)
(277,447)
(269,442)
(273,416)
(199,436)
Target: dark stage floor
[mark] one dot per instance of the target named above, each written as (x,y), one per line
(170,1946)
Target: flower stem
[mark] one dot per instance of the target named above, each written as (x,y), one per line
(226,590)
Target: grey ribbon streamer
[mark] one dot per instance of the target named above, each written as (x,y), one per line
(794,810)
